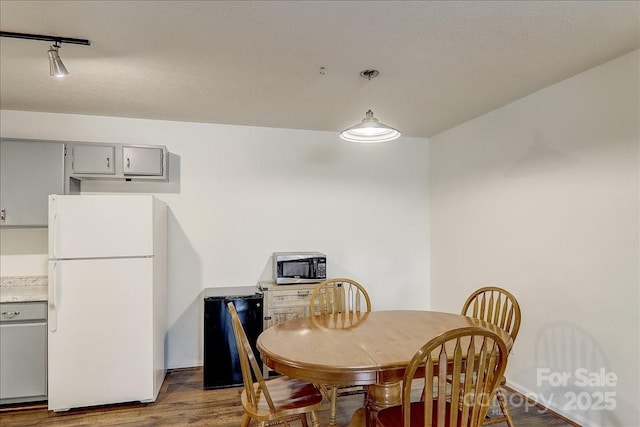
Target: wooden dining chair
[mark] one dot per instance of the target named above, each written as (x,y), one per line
(474,358)
(498,307)
(339,296)
(277,400)
(346,299)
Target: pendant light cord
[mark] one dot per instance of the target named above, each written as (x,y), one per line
(369,74)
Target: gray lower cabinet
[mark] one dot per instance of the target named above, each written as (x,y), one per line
(29,172)
(23,352)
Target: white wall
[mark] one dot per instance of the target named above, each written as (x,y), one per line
(237,194)
(23,252)
(541,197)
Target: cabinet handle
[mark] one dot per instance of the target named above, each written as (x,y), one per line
(303,293)
(108,162)
(2,215)
(10,314)
(128,163)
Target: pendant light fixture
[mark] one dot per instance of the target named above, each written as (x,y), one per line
(56,67)
(370,129)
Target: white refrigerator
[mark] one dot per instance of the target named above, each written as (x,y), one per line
(107,299)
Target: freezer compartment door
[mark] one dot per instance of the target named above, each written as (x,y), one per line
(101,350)
(100,226)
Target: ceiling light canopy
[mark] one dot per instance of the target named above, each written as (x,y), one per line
(56,67)
(370,129)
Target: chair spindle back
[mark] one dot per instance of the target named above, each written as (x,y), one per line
(461,369)
(496,306)
(341,295)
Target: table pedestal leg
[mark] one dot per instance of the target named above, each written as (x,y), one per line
(380,396)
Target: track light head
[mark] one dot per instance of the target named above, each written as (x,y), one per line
(56,67)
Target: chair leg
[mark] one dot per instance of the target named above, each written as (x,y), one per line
(323,390)
(333,404)
(504,408)
(246,419)
(303,420)
(315,422)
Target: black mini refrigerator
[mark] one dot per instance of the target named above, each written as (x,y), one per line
(221,363)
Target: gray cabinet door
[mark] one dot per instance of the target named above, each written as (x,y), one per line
(23,352)
(23,361)
(29,172)
(94,159)
(142,160)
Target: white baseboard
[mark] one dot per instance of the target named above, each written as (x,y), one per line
(555,408)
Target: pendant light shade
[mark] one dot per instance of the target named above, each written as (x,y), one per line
(56,67)
(370,130)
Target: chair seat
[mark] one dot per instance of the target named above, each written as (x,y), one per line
(392,417)
(287,394)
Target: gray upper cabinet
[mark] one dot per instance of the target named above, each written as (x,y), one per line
(117,161)
(29,172)
(142,160)
(94,159)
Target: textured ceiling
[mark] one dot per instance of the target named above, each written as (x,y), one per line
(258,63)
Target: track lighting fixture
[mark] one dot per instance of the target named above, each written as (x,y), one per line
(370,129)
(56,67)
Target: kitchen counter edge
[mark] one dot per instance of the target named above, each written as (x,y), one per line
(23,289)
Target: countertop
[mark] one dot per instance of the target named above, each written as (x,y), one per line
(233,291)
(23,289)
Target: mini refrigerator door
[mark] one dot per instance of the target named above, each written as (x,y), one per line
(221,367)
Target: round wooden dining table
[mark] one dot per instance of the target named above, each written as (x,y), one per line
(370,349)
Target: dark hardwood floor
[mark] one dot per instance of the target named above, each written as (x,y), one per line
(183,402)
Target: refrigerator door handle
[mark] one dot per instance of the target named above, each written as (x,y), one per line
(52,226)
(51,288)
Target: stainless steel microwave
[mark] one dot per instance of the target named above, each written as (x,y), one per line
(299,267)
